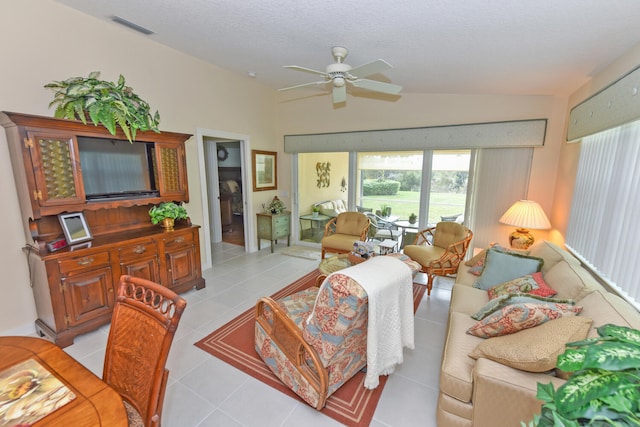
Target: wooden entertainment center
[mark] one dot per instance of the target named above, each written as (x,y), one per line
(74,287)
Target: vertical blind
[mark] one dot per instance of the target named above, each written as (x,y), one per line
(501,177)
(604,230)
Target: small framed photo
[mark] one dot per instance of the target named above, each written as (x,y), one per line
(265,165)
(75,227)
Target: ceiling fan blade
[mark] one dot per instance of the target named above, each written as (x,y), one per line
(306,70)
(303,84)
(377,86)
(375,67)
(339,94)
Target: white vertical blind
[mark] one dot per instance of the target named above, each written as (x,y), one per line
(604,228)
(501,177)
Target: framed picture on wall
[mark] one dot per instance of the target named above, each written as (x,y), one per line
(264,170)
(75,227)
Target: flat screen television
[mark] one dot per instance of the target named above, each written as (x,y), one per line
(117,169)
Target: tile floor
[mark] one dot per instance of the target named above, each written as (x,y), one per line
(204,391)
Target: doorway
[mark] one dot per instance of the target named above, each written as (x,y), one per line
(222,157)
(231,191)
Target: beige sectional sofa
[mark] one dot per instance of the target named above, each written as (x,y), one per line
(486,393)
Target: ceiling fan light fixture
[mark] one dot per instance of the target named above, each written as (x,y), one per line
(339,81)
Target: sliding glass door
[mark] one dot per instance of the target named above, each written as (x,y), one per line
(429,184)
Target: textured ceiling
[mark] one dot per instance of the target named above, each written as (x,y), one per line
(541,47)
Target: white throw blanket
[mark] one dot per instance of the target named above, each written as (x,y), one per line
(389,286)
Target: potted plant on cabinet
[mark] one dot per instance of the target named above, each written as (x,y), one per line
(276,206)
(604,387)
(111,104)
(166,213)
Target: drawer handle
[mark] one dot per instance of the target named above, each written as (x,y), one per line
(179,240)
(140,249)
(85,261)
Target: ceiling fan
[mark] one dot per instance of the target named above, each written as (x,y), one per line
(339,74)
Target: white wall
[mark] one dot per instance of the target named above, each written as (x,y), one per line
(45,41)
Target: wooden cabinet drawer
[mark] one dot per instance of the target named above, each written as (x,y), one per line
(145,249)
(177,240)
(83,262)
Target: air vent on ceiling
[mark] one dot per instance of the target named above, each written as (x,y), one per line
(131,25)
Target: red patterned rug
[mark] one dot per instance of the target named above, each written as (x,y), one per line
(352,404)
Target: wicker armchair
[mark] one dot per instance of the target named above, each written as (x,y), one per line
(342,231)
(440,249)
(144,321)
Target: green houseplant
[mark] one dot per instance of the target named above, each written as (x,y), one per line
(111,104)
(412,218)
(604,389)
(166,213)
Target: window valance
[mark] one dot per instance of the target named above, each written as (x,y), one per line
(615,105)
(520,133)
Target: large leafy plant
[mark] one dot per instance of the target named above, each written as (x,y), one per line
(111,104)
(604,389)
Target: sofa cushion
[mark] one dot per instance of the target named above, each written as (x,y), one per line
(516,317)
(515,298)
(535,349)
(500,267)
(604,307)
(551,254)
(467,300)
(456,373)
(571,280)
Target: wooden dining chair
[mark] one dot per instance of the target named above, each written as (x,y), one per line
(145,319)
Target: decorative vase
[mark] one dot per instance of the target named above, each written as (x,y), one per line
(315,214)
(167,223)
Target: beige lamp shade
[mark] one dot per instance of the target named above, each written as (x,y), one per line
(524,214)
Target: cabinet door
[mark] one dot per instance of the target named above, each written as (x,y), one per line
(140,260)
(88,295)
(56,168)
(181,259)
(171,171)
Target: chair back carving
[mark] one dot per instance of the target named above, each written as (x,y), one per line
(145,318)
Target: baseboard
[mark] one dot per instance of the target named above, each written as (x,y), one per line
(28,329)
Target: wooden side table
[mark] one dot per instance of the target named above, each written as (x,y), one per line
(274,226)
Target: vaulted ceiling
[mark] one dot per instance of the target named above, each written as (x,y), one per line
(540,47)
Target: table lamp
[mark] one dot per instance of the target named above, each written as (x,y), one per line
(524,214)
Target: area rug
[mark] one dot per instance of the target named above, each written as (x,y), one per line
(352,404)
(302,252)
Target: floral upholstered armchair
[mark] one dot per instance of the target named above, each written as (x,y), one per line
(314,358)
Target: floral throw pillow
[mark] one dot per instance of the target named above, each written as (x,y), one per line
(524,284)
(517,317)
(515,298)
(544,290)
